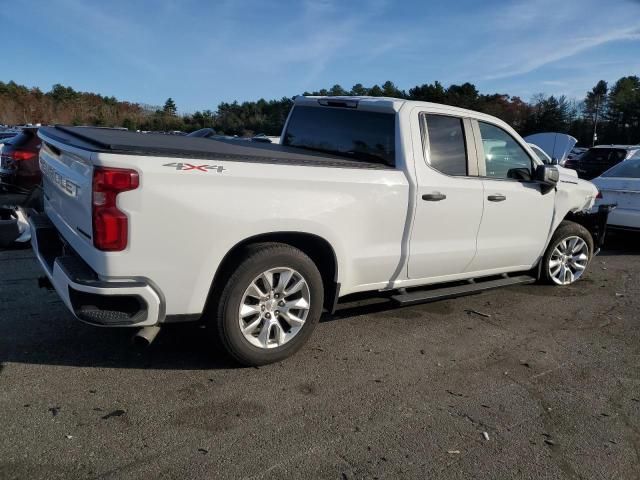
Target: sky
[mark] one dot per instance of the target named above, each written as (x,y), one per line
(203,52)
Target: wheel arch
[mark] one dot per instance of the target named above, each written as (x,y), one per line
(315,247)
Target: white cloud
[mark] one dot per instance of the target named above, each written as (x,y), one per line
(554,49)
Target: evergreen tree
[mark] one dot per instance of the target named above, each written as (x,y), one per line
(170,107)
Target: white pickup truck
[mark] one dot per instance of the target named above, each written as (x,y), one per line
(420,200)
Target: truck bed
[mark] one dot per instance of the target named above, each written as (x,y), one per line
(132,143)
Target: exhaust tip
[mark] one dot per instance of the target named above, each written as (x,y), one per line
(145,336)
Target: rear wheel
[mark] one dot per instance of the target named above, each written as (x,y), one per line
(270,305)
(568,254)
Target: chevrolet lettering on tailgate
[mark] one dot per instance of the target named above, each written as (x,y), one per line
(64,184)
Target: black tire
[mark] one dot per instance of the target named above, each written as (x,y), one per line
(565,229)
(259,258)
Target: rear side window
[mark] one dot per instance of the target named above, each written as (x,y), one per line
(446,145)
(627,169)
(356,134)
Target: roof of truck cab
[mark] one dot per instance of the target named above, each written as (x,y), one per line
(391,104)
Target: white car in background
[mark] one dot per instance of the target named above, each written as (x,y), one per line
(620,185)
(556,145)
(546,159)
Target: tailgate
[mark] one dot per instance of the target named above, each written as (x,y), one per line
(67,175)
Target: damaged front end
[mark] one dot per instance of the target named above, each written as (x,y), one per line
(595,221)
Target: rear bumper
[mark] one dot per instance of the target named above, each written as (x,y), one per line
(130,302)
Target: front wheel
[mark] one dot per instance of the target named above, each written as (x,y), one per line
(568,254)
(270,304)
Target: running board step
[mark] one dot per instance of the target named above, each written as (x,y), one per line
(424,296)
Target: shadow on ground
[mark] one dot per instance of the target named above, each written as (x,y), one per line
(621,243)
(47,334)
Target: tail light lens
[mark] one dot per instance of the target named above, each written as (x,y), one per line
(18,155)
(110,225)
(22,155)
(599,195)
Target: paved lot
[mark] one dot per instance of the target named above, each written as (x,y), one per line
(552,377)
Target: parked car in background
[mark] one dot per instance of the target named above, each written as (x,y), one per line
(620,185)
(556,145)
(572,159)
(576,152)
(546,159)
(261,137)
(601,158)
(4,136)
(203,133)
(19,169)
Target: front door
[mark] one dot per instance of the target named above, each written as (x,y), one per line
(517,215)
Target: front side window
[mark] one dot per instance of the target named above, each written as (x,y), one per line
(503,156)
(446,145)
(355,134)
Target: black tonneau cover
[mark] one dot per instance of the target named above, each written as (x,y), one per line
(132,143)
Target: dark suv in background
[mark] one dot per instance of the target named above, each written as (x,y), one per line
(19,169)
(601,158)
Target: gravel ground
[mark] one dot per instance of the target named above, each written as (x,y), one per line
(546,385)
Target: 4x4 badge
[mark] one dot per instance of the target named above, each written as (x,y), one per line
(202,168)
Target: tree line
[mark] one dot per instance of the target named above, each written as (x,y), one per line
(613,111)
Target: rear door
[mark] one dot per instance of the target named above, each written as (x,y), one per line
(517,216)
(448,196)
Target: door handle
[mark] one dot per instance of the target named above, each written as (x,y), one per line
(434,197)
(496,198)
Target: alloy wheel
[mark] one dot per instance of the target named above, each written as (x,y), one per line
(274,307)
(568,260)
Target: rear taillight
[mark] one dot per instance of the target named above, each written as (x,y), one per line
(18,155)
(22,155)
(110,225)
(599,195)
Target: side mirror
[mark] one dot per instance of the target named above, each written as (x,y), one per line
(547,176)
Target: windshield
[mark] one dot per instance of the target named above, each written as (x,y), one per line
(626,169)
(355,134)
